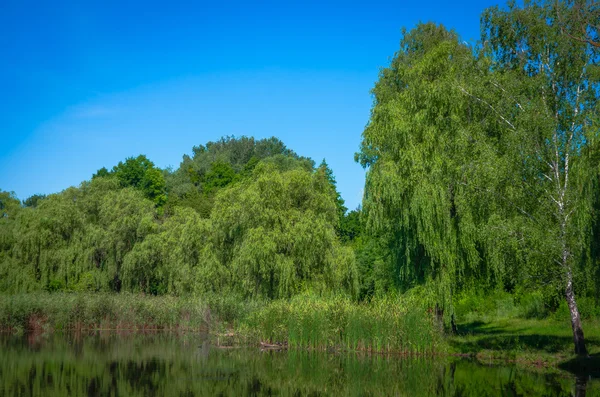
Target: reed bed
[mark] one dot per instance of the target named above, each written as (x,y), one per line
(389,324)
(97,311)
(383,325)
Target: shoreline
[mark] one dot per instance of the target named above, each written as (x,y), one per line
(332,325)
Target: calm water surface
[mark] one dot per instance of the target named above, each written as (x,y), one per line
(169,365)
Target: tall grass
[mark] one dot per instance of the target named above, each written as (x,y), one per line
(83,311)
(389,324)
(383,325)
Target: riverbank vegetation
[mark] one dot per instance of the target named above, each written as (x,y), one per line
(482,191)
(306,321)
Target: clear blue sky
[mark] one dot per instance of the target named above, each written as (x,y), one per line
(86,84)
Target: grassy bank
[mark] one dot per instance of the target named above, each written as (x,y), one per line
(497,327)
(385,325)
(531,342)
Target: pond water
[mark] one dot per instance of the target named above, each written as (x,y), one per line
(109,364)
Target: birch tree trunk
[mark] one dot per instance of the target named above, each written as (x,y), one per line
(578,338)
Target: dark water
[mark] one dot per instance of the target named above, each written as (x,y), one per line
(170,365)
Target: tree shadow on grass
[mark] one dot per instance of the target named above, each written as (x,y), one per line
(583,366)
(477,336)
(480,328)
(505,342)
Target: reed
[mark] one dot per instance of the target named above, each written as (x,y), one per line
(388,324)
(94,311)
(383,325)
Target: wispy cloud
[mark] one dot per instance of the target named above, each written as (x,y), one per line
(93,111)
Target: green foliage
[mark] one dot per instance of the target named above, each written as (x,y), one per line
(131,172)
(416,146)
(9,204)
(34,200)
(473,306)
(218,164)
(177,258)
(275,233)
(532,305)
(376,272)
(589,310)
(140,173)
(339,201)
(9,209)
(351,226)
(101,173)
(219,176)
(270,234)
(83,232)
(153,186)
(549,175)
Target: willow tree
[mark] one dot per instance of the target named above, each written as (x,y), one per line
(178,258)
(10,206)
(274,233)
(543,89)
(419,145)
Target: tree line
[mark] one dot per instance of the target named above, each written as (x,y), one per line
(240,215)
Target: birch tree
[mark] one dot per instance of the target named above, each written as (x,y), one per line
(544,89)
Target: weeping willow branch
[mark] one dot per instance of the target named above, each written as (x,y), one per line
(489,106)
(521,210)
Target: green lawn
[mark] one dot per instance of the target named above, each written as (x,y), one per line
(541,343)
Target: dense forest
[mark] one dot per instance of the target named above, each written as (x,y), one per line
(483,174)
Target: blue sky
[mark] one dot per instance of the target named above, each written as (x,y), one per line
(86,84)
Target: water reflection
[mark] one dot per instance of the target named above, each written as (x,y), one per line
(171,365)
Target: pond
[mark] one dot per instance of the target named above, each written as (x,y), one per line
(163,364)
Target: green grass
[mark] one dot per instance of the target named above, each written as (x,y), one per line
(525,328)
(544,343)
